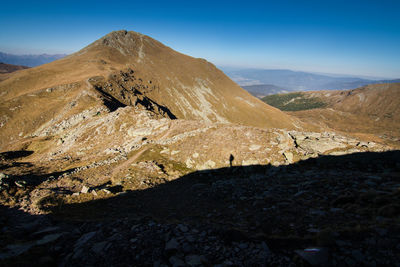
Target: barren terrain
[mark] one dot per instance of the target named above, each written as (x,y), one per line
(130,153)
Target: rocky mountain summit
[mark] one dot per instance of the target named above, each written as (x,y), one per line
(129,153)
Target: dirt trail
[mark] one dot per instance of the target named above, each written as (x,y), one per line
(128,162)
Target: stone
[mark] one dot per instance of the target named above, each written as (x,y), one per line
(84,189)
(183,228)
(83,239)
(250,162)
(15,250)
(99,247)
(46,230)
(242,245)
(106,191)
(186,248)
(254,147)
(176,262)
(390,210)
(357,255)
(194,260)
(48,239)
(209,164)
(315,256)
(20,183)
(172,245)
(288,156)
(46,261)
(189,163)
(300,193)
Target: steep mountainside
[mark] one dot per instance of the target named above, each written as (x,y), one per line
(128,68)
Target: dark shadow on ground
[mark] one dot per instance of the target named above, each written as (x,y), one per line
(8,159)
(23,176)
(15,154)
(311,203)
(298,200)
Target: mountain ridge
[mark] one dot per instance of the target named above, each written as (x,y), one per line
(29,60)
(133,69)
(298,80)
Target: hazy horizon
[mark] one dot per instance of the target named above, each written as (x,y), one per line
(358,38)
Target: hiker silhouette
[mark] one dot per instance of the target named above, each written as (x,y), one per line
(231,158)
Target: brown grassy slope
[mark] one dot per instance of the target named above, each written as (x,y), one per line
(191,88)
(6,69)
(372,109)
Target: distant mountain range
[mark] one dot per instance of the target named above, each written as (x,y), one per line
(29,60)
(261,90)
(268,81)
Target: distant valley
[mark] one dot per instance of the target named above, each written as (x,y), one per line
(29,60)
(262,82)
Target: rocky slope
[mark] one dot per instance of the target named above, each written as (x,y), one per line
(371,112)
(118,68)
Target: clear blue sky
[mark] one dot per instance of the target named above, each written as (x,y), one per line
(349,37)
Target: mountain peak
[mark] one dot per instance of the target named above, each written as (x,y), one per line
(128,43)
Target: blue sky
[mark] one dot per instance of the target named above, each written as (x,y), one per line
(349,37)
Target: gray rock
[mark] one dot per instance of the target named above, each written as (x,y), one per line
(300,193)
(194,260)
(15,250)
(83,239)
(265,248)
(199,187)
(99,247)
(190,238)
(84,189)
(187,248)
(357,255)
(183,228)
(315,256)
(47,230)
(288,156)
(20,183)
(242,245)
(48,239)
(350,262)
(176,262)
(172,245)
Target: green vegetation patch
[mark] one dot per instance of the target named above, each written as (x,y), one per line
(293,102)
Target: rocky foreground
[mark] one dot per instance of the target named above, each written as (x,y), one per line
(326,211)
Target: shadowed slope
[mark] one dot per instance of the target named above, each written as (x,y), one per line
(331,202)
